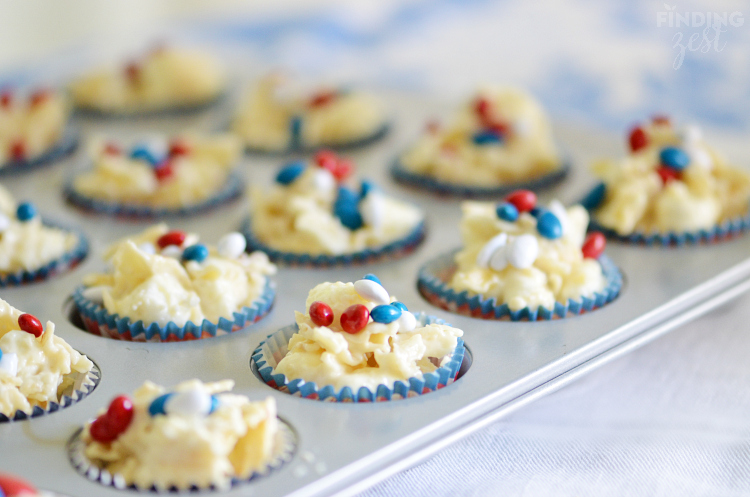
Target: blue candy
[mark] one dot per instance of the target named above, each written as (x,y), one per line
(385,313)
(25,211)
(674,158)
(537,211)
(372,277)
(295,130)
(595,197)
(549,226)
(507,212)
(142,151)
(214,404)
(1,354)
(487,138)
(366,187)
(290,173)
(197,253)
(400,306)
(157,405)
(345,208)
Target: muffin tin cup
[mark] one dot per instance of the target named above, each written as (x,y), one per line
(83,386)
(274,348)
(727,230)
(393,250)
(65,146)
(66,262)
(429,183)
(376,136)
(284,449)
(98,321)
(433,284)
(168,111)
(231,190)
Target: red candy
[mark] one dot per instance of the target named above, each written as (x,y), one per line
(107,427)
(482,108)
(322,98)
(111,148)
(500,128)
(524,200)
(6,98)
(594,245)
(340,168)
(30,324)
(12,487)
(164,171)
(660,120)
(668,174)
(171,238)
(638,139)
(179,147)
(321,314)
(344,169)
(133,71)
(38,97)
(18,149)
(355,318)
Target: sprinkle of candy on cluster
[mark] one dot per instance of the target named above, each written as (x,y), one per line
(110,425)
(30,324)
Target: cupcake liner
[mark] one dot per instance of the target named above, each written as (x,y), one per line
(284,449)
(424,182)
(65,146)
(98,321)
(717,233)
(433,284)
(231,190)
(393,250)
(380,133)
(84,385)
(170,111)
(274,348)
(66,262)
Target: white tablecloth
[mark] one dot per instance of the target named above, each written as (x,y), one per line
(669,419)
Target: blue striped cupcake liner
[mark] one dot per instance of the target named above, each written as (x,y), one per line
(231,190)
(66,262)
(271,350)
(726,230)
(297,148)
(424,182)
(285,447)
(393,250)
(433,284)
(98,321)
(171,111)
(83,387)
(65,146)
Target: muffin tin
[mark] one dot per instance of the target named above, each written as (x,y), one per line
(343,448)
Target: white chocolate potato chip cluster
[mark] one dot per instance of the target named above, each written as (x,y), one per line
(310,210)
(501,136)
(30,125)
(197,434)
(671,181)
(164,78)
(36,366)
(276,116)
(161,173)
(525,255)
(357,335)
(162,276)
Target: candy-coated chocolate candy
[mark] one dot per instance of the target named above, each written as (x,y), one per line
(524,200)
(346,209)
(295,129)
(290,173)
(594,245)
(674,158)
(4,222)
(30,324)
(25,211)
(9,363)
(120,412)
(6,98)
(407,321)
(321,313)
(372,210)
(496,242)
(372,277)
(191,403)
(172,251)
(595,197)
(179,147)
(549,226)
(11,486)
(400,305)
(39,96)
(372,291)
(164,170)
(558,209)
(507,212)
(366,187)
(197,253)
(668,174)
(112,148)
(487,137)
(326,159)
(700,157)
(523,251)
(323,180)
(133,72)
(385,313)
(322,98)
(147,247)
(18,150)
(344,169)
(232,245)
(149,152)
(499,259)
(355,318)
(171,238)
(638,139)
(157,405)
(482,107)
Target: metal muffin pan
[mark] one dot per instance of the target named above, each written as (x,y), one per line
(343,448)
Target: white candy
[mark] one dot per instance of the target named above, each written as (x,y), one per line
(94,293)
(232,245)
(499,259)
(558,209)
(523,251)
(323,180)
(157,145)
(147,247)
(700,157)
(9,363)
(369,290)
(372,209)
(484,255)
(407,321)
(692,134)
(4,223)
(172,251)
(190,403)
